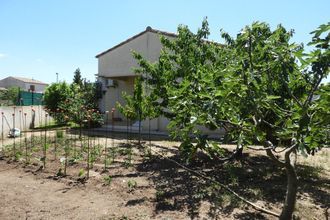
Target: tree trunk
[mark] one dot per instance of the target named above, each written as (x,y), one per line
(140,128)
(292,184)
(290,198)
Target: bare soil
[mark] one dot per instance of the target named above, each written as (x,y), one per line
(146,186)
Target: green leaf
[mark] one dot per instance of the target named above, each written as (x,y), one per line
(272,97)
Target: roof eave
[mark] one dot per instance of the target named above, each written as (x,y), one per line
(148,29)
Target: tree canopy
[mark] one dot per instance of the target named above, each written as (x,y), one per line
(77,79)
(76,102)
(10,95)
(258,86)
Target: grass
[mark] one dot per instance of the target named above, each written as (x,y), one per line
(320,160)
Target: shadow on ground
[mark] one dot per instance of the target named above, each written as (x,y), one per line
(254,177)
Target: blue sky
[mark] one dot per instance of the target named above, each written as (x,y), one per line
(39,38)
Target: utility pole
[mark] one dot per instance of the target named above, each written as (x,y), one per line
(56,77)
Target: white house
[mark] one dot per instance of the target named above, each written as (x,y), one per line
(24,84)
(115,71)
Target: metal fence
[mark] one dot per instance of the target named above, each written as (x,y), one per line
(29,98)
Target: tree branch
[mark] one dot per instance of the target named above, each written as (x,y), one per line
(228,122)
(287,154)
(271,154)
(234,154)
(296,99)
(259,149)
(311,93)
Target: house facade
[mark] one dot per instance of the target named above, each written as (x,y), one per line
(116,72)
(24,84)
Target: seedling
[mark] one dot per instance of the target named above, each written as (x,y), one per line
(94,154)
(132,184)
(81,173)
(59,134)
(18,155)
(107,180)
(160,195)
(128,160)
(112,152)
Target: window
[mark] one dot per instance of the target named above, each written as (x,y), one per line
(32,88)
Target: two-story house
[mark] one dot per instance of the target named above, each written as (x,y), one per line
(115,71)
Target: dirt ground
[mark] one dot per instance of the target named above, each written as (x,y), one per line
(155,188)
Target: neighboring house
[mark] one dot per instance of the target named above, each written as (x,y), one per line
(115,71)
(25,84)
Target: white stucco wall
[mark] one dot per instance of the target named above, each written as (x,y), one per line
(120,62)
(18,111)
(114,94)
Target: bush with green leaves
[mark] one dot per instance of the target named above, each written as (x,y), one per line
(75,103)
(55,95)
(9,96)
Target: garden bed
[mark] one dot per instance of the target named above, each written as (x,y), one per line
(137,183)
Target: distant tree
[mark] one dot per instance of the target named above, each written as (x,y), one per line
(89,91)
(77,79)
(55,95)
(10,96)
(81,106)
(76,102)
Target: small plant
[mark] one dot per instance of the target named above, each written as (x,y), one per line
(18,155)
(107,162)
(81,173)
(132,184)
(128,160)
(95,152)
(59,134)
(107,180)
(113,153)
(147,154)
(77,157)
(160,195)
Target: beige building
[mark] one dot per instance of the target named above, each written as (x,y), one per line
(115,71)
(24,84)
